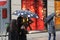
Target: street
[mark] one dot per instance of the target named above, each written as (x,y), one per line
(37,36)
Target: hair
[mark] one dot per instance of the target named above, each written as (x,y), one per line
(19,21)
(13,22)
(13,25)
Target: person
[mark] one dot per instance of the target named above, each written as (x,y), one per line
(51,29)
(21,30)
(19,24)
(13,35)
(27,23)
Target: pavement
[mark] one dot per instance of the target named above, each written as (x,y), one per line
(37,36)
(42,36)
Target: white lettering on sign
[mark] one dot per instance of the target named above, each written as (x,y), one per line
(3,0)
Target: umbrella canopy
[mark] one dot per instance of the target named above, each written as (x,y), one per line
(19,13)
(25,13)
(49,17)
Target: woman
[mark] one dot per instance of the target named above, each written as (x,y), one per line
(13,35)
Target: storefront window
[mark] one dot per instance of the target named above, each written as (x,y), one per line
(57,10)
(37,7)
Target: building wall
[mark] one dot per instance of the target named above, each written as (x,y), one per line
(50,7)
(15,5)
(4,16)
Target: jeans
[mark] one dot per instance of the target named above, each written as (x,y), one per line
(54,36)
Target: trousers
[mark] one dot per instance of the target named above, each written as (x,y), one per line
(54,36)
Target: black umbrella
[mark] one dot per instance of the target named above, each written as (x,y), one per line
(49,17)
(25,13)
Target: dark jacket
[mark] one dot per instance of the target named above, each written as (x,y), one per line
(13,35)
(51,26)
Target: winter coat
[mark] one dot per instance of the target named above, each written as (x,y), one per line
(13,35)
(51,26)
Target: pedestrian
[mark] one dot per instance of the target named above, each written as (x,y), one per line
(19,24)
(51,29)
(13,35)
(21,30)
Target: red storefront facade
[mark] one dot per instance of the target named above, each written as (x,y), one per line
(37,7)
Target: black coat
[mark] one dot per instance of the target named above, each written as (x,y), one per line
(13,34)
(23,33)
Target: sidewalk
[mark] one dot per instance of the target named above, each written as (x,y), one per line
(41,36)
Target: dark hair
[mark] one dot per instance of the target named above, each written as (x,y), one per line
(19,20)
(13,21)
(13,25)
